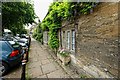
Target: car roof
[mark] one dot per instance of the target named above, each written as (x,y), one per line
(7,30)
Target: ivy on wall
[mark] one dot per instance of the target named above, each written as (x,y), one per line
(59,11)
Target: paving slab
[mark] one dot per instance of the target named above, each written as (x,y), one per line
(48,68)
(36,72)
(34,64)
(43,76)
(45,61)
(57,74)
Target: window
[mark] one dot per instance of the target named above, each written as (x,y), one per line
(68,39)
(73,40)
(63,39)
(63,35)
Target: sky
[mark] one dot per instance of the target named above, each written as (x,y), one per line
(41,8)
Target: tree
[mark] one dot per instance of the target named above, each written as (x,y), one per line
(17,14)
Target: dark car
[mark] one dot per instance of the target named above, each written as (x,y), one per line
(11,53)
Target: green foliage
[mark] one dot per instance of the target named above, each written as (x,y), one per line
(39,37)
(59,11)
(38,34)
(17,14)
(85,7)
(53,41)
(64,53)
(19,29)
(83,76)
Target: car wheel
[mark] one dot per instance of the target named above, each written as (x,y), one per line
(3,68)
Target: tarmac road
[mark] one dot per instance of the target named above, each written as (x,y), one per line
(14,72)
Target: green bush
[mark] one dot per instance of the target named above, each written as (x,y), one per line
(64,53)
(39,37)
(34,35)
(53,41)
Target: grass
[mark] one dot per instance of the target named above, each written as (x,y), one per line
(83,76)
(26,74)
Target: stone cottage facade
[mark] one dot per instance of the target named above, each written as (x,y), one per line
(93,41)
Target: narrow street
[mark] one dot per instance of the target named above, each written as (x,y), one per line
(41,64)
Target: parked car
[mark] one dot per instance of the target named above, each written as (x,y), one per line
(21,42)
(7,33)
(26,38)
(11,53)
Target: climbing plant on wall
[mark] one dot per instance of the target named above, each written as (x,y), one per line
(59,11)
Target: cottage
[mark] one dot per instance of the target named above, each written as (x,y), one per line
(93,41)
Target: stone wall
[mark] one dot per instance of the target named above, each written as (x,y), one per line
(97,41)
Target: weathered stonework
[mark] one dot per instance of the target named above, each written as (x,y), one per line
(97,41)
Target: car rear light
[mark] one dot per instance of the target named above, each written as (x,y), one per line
(14,53)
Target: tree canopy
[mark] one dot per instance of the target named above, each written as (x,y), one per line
(17,14)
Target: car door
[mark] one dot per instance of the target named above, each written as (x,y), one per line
(6,50)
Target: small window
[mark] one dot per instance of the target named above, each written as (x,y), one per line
(73,40)
(63,34)
(68,40)
(63,39)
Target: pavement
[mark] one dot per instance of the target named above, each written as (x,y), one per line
(15,72)
(41,64)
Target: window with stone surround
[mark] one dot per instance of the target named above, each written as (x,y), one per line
(73,40)
(63,39)
(68,39)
